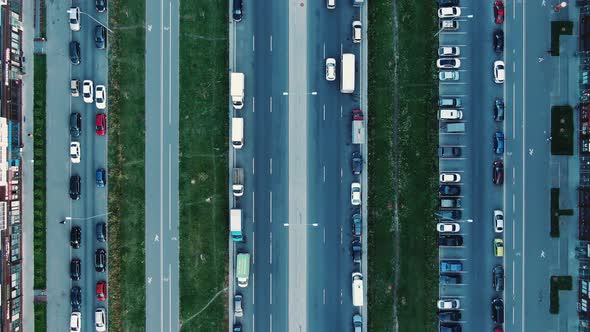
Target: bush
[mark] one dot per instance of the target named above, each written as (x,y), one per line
(562,130)
(557,283)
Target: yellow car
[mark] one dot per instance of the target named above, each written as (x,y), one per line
(499,247)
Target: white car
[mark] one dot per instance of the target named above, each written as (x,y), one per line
(499,71)
(448,227)
(74,13)
(448,63)
(100,320)
(450,114)
(88,91)
(450,177)
(331,4)
(448,12)
(330,69)
(498,221)
(101,97)
(448,75)
(449,304)
(75,322)
(356,31)
(448,25)
(355,193)
(449,51)
(75,152)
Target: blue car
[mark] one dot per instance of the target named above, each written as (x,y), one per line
(499,142)
(451,266)
(101,177)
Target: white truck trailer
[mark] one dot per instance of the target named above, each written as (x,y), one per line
(235,224)
(358,127)
(237,90)
(347,75)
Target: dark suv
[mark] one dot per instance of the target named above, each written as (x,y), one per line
(75,185)
(357,163)
(75,269)
(449,316)
(75,52)
(356,251)
(498,278)
(498,38)
(75,124)
(449,190)
(357,225)
(450,240)
(498,311)
(100,258)
(76,298)
(499,109)
(237,12)
(101,232)
(100,37)
(75,237)
(449,215)
(451,279)
(449,152)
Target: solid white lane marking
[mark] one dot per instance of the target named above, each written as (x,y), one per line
(169,187)
(161,163)
(170,298)
(523,260)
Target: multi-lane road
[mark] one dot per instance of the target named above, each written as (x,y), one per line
(161,168)
(91,208)
(297,158)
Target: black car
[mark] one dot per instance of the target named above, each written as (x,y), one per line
(75,269)
(447,327)
(498,173)
(101,232)
(237,12)
(100,258)
(357,163)
(75,237)
(449,215)
(75,185)
(450,240)
(356,251)
(448,3)
(449,190)
(449,316)
(76,298)
(449,152)
(498,311)
(449,279)
(75,124)
(75,52)
(498,38)
(357,225)
(101,5)
(498,278)
(100,37)
(499,109)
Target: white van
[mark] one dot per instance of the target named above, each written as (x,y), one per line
(357,289)
(237,132)
(331,4)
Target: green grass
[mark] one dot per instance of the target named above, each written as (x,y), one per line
(127,166)
(415,144)
(39,171)
(40,309)
(203,163)
(562,130)
(557,283)
(554,213)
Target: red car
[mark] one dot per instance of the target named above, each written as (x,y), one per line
(101,290)
(499,11)
(498,329)
(498,173)
(101,124)
(357,114)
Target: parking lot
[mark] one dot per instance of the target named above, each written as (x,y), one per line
(471,139)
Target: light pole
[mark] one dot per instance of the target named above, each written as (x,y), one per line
(87,218)
(454,18)
(97,21)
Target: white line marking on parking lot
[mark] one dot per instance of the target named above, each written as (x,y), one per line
(271,207)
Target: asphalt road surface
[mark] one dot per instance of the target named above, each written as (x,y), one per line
(296,156)
(161,169)
(91,208)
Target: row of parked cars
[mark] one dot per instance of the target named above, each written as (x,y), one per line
(450,113)
(97,96)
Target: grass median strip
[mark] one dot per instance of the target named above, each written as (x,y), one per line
(39,187)
(403,140)
(127,166)
(203,164)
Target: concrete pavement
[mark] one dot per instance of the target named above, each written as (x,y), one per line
(161,169)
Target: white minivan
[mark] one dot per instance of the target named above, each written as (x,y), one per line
(357,289)
(450,114)
(237,132)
